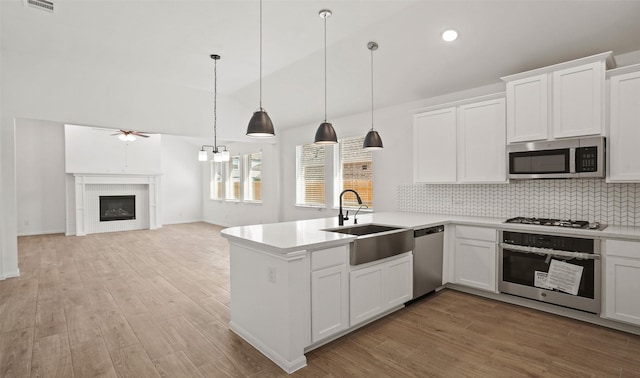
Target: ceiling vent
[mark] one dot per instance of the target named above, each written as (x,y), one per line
(39,4)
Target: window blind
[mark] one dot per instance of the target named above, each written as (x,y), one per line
(354,170)
(233,179)
(216,183)
(253,178)
(310,175)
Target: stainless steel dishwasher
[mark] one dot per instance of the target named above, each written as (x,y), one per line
(427,260)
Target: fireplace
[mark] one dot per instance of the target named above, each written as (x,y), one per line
(115,208)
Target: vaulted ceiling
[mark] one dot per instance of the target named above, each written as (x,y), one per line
(155,54)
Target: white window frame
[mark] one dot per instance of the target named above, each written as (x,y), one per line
(213,192)
(249,195)
(229,182)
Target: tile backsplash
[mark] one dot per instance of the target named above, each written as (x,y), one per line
(582,199)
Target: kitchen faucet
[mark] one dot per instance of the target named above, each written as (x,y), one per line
(342,218)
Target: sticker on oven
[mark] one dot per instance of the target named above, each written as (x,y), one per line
(540,280)
(564,276)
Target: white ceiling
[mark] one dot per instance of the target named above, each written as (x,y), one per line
(169,42)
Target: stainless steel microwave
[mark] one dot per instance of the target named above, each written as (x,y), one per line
(566,158)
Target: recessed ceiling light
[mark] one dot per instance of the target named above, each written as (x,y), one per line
(450,35)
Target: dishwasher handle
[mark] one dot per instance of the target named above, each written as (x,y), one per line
(427,231)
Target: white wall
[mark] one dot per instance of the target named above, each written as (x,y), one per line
(181,180)
(40,177)
(229,214)
(392,166)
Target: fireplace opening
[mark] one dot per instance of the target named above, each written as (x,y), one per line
(113,208)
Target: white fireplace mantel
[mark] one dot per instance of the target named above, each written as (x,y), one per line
(149,185)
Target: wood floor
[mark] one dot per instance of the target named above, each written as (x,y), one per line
(155,303)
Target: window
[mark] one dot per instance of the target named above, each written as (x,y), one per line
(353,170)
(233,179)
(253,177)
(215,186)
(310,175)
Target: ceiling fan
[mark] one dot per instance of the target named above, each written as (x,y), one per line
(129,135)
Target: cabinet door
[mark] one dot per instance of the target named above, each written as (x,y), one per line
(475,264)
(578,100)
(329,302)
(434,148)
(624,137)
(482,142)
(398,282)
(527,109)
(622,285)
(366,295)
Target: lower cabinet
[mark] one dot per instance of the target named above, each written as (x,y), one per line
(329,292)
(475,258)
(378,287)
(622,281)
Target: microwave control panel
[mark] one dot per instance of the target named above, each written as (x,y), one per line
(586,159)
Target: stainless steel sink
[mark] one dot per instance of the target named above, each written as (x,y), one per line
(376,241)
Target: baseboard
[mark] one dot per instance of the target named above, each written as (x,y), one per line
(181,222)
(286,365)
(16,273)
(33,233)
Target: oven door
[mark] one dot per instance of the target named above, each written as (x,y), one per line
(517,275)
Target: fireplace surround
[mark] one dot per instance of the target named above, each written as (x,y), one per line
(84,192)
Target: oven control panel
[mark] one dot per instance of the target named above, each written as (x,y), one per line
(562,243)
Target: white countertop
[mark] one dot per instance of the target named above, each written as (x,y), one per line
(287,237)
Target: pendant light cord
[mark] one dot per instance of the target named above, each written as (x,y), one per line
(215,105)
(371,89)
(325,69)
(260,55)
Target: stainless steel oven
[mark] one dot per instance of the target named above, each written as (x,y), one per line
(525,260)
(566,158)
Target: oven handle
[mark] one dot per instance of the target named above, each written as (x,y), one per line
(549,251)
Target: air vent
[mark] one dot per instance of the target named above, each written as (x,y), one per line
(39,4)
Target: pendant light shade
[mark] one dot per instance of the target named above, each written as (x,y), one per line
(260,125)
(325,134)
(372,140)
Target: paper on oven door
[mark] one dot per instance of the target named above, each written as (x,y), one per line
(564,276)
(540,280)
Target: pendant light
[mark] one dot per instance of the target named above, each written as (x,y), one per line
(260,125)
(325,133)
(372,141)
(217,154)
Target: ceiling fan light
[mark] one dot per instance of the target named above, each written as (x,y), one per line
(326,134)
(372,141)
(260,125)
(202,155)
(122,137)
(130,138)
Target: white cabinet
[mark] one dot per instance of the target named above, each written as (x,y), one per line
(381,286)
(464,143)
(481,142)
(475,257)
(622,281)
(527,109)
(329,292)
(560,101)
(624,127)
(434,146)
(578,100)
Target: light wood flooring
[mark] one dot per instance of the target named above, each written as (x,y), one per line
(155,303)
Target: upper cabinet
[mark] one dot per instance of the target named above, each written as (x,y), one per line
(624,125)
(434,146)
(560,101)
(462,143)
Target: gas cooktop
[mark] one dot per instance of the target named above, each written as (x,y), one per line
(558,223)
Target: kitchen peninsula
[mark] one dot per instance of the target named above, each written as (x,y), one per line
(290,281)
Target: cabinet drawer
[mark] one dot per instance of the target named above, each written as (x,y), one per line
(623,248)
(476,233)
(326,258)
